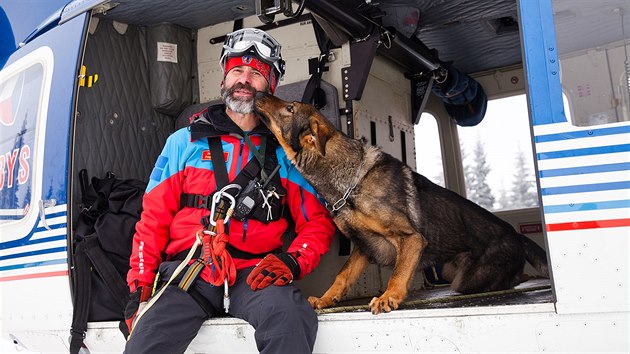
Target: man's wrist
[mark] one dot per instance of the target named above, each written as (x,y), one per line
(140,292)
(291,262)
(145,293)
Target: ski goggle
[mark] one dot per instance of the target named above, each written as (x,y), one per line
(242,40)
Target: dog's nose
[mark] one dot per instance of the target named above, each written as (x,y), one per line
(260,94)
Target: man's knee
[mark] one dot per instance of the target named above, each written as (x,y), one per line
(290,312)
(289,327)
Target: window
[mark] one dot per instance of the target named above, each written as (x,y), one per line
(594,61)
(596,86)
(498,159)
(19,112)
(428,151)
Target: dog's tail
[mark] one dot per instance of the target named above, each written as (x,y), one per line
(535,255)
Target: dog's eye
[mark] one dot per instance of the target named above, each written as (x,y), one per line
(290,108)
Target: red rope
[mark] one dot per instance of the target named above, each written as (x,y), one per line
(214,250)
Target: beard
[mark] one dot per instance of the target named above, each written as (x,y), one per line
(242,105)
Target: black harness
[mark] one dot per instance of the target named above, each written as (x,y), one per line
(260,172)
(251,172)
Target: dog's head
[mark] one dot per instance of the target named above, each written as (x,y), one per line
(299,127)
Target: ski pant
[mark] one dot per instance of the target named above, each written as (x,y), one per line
(283,320)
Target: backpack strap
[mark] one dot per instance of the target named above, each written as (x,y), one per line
(88,253)
(81,299)
(104,267)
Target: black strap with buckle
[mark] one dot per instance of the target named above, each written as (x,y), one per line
(248,173)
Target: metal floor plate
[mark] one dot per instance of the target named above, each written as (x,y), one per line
(533,291)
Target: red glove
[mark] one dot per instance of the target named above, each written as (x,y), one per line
(278,270)
(136,299)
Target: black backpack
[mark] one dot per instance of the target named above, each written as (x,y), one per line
(102,243)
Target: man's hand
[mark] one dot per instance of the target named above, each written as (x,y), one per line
(137,301)
(278,270)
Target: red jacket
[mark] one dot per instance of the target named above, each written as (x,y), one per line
(184,166)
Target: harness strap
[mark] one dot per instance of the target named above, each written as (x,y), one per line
(248,173)
(234,252)
(191,274)
(258,154)
(193,271)
(205,201)
(218,162)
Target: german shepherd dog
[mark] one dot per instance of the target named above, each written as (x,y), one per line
(395,216)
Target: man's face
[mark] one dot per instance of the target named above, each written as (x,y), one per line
(240,86)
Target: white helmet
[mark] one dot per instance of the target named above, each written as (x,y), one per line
(257,43)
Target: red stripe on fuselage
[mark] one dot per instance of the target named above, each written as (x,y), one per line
(583,225)
(36,275)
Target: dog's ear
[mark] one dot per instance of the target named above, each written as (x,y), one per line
(319,135)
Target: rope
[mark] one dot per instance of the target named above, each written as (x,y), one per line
(215,247)
(182,265)
(415,303)
(214,252)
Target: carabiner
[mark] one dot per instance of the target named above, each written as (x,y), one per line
(216,198)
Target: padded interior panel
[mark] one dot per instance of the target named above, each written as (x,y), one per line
(117,130)
(170,58)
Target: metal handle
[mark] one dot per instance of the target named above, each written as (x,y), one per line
(43,204)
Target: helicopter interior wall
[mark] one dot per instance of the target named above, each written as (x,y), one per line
(119,126)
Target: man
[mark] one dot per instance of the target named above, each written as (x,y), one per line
(179,204)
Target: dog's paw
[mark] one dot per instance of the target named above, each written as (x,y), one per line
(385,303)
(320,302)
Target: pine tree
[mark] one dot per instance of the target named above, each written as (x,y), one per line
(523,188)
(504,201)
(485,198)
(477,188)
(469,177)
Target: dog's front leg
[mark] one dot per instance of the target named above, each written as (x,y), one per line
(408,252)
(355,265)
